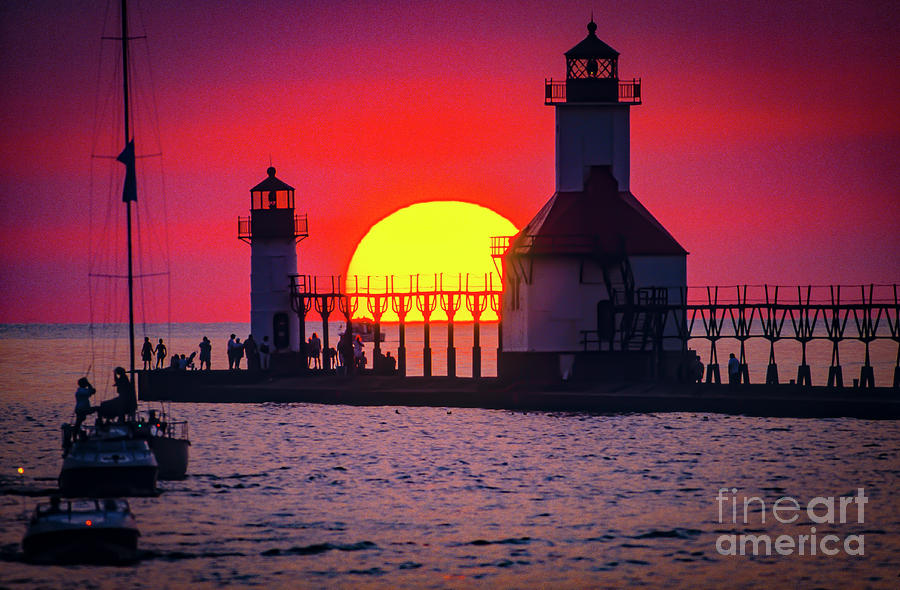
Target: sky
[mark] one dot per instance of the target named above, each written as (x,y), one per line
(767,142)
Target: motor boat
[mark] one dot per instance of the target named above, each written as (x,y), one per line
(104,467)
(82,531)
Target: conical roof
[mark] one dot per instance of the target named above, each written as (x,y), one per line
(271,183)
(600,220)
(592,46)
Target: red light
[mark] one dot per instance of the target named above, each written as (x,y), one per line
(89,522)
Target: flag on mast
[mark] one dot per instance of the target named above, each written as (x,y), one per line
(129,191)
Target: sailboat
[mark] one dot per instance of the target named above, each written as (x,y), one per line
(125,457)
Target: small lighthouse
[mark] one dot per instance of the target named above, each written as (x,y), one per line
(273,230)
(580,277)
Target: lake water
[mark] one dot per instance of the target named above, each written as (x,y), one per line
(306,496)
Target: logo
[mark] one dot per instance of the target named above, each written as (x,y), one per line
(821,510)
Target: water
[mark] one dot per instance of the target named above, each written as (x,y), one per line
(305,496)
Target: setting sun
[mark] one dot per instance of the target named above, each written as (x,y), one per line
(430,242)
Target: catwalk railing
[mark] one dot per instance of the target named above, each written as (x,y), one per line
(394,299)
(643,320)
(862,313)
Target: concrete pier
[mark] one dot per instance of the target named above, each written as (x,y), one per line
(494,393)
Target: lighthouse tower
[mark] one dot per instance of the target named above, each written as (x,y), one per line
(576,277)
(592,114)
(273,231)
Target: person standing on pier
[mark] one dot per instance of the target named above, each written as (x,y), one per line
(697,372)
(264,354)
(231,352)
(160,354)
(238,353)
(345,352)
(147,354)
(252,351)
(734,369)
(315,349)
(205,353)
(358,354)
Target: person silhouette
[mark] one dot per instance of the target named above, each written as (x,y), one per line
(205,353)
(238,353)
(264,352)
(734,370)
(160,354)
(147,353)
(231,345)
(315,349)
(252,351)
(83,401)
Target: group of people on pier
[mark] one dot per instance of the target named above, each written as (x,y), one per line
(258,355)
(349,357)
(149,351)
(695,370)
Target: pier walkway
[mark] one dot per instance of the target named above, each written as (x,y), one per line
(494,393)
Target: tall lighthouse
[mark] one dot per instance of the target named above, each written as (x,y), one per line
(580,277)
(273,230)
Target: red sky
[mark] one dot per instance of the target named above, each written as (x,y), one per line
(767,143)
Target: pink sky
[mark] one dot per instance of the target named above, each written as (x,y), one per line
(767,143)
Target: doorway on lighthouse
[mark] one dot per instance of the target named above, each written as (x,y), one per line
(281,334)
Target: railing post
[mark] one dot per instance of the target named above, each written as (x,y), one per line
(401,304)
(324,306)
(476,304)
(450,303)
(496,302)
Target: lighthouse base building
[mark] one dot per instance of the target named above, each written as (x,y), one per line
(592,284)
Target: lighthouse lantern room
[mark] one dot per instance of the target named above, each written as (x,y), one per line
(578,276)
(273,230)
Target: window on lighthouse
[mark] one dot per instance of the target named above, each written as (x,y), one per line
(273,200)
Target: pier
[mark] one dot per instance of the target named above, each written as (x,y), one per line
(632,328)
(640,321)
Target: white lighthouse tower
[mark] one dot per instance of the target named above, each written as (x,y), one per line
(579,277)
(273,230)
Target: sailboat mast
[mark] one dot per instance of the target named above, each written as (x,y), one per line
(128,202)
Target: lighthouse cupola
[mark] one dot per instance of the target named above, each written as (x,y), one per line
(273,230)
(272,211)
(592,113)
(592,70)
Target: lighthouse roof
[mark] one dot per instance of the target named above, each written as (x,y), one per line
(599,220)
(271,183)
(592,46)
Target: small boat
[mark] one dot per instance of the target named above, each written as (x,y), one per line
(82,531)
(113,466)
